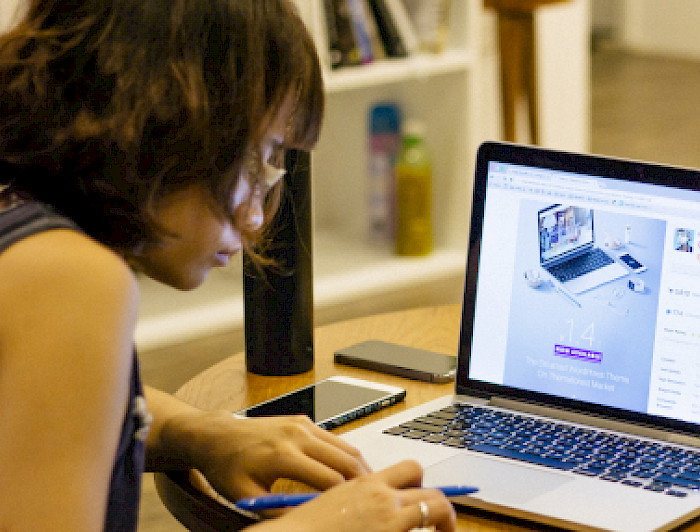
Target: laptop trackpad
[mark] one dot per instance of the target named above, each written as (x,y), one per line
(498,482)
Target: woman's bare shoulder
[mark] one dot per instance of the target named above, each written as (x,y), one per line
(64,256)
(64,271)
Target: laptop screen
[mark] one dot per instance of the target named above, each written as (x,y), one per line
(564,231)
(631,344)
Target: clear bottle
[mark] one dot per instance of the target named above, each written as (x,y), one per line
(431,19)
(414,229)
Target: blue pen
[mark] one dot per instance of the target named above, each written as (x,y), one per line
(284,500)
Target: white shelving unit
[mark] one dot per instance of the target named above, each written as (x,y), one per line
(440,90)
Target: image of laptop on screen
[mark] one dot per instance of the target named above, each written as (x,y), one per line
(585,416)
(568,251)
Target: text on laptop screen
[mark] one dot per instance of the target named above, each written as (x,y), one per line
(630,342)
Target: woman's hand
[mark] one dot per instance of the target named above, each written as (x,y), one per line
(386,501)
(244,457)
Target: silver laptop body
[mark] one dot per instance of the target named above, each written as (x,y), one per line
(610,376)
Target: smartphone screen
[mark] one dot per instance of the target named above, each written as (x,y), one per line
(327,400)
(633,263)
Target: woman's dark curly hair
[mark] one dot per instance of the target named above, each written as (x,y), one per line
(106,106)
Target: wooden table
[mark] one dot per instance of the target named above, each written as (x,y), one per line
(227,385)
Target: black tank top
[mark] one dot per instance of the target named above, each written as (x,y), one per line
(28,218)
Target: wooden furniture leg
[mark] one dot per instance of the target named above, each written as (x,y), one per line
(518,58)
(516,42)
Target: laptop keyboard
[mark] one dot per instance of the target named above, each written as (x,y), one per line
(581,265)
(611,457)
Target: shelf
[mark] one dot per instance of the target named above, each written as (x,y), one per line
(345,270)
(387,71)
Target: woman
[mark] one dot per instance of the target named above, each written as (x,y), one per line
(140,135)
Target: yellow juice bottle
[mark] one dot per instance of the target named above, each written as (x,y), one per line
(414,229)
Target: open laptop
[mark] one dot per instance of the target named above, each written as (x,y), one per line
(581,412)
(568,250)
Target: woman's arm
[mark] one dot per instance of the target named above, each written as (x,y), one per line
(243,457)
(67,315)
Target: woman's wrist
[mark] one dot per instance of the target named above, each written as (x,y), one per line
(179,436)
(185,440)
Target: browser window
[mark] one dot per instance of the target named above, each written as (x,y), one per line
(632,340)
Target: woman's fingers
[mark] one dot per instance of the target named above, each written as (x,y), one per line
(427,508)
(419,507)
(316,457)
(385,501)
(404,474)
(294,447)
(335,459)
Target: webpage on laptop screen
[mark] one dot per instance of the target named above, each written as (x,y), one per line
(631,342)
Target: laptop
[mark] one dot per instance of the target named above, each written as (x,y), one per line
(568,251)
(577,412)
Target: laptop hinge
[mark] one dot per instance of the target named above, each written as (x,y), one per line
(596,421)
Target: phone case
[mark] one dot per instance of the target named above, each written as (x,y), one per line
(400,360)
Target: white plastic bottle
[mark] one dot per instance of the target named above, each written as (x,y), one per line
(384,145)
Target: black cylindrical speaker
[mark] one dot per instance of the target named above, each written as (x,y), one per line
(279,299)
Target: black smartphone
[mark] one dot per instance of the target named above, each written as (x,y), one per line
(399,360)
(330,402)
(632,263)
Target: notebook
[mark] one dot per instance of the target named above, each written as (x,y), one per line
(580,412)
(568,250)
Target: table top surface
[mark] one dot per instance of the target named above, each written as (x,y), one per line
(227,385)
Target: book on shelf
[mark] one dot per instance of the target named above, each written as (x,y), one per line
(388,31)
(349,50)
(404,25)
(335,54)
(360,29)
(378,48)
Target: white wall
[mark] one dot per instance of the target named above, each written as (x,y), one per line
(563,49)
(668,27)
